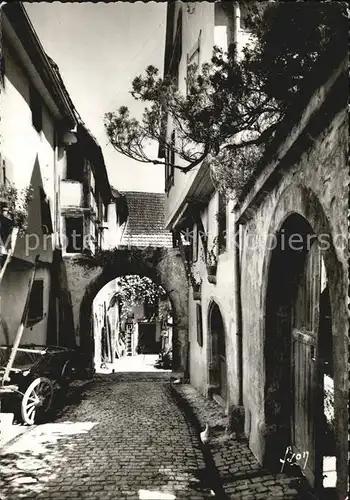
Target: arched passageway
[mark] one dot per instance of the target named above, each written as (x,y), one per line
(217,352)
(299,387)
(132,326)
(163,266)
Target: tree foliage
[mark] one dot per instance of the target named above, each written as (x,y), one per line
(134,290)
(233,106)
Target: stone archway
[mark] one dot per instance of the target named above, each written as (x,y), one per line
(163,265)
(299,207)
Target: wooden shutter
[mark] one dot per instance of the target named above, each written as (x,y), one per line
(304,359)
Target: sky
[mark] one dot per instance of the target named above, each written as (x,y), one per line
(99,49)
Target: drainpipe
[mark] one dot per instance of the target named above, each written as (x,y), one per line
(55,267)
(238,309)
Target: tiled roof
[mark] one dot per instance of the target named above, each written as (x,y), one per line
(146,221)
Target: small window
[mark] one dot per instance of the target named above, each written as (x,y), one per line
(36,302)
(193,63)
(199,325)
(186,238)
(105,216)
(74,234)
(36,109)
(222,223)
(75,164)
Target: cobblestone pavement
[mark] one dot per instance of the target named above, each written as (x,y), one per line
(241,475)
(125,438)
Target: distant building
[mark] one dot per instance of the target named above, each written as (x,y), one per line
(146,222)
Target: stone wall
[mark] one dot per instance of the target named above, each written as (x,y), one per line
(310,178)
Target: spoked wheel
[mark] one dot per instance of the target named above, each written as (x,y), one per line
(67,374)
(36,400)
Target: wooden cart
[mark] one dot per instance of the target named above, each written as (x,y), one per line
(32,379)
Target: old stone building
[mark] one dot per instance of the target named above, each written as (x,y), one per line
(268,302)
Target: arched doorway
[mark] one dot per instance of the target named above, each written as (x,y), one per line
(163,266)
(217,353)
(298,329)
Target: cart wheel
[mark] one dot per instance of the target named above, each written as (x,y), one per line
(36,400)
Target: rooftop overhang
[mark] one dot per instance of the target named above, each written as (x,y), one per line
(197,197)
(18,29)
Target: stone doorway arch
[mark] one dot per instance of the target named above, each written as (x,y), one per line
(299,211)
(217,353)
(87,276)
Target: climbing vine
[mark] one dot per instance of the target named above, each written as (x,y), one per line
(134,290)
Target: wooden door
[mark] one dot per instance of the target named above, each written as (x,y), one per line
(304,361)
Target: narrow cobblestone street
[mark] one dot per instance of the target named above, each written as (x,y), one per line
(125,438)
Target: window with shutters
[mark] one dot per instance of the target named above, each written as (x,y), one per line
(36,302)
(199,325)
(75,163)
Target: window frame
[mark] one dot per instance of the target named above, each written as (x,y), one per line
(199,323)
(74,158)
(194,53)
(36,303)
(67,249)
(222,224)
